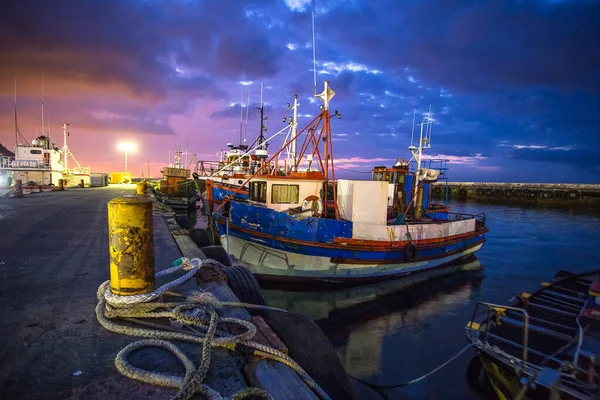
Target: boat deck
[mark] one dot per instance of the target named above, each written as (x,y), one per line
(544,330)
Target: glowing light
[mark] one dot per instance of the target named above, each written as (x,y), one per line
(126,147)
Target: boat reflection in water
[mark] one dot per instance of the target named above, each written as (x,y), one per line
(358,320)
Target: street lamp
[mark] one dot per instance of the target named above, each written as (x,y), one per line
(126,147)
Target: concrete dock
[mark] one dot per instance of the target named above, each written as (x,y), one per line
(53,256)
(543,194)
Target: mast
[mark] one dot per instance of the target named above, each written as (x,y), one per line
(241,115)
(16,126)
(417,152)
(177,156)
(294,130)
(246,127)
(65,148)
(314,55)
(418,159)
(412,133)
(43,131)
(263,128)
(17,132)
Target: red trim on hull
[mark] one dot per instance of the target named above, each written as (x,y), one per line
(401,260)
(376,244)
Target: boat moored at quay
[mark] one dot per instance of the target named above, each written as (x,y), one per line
(296,222)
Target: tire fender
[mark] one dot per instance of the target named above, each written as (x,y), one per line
(410,251)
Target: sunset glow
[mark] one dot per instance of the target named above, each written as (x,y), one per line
(514,85)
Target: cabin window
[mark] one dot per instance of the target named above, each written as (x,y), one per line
(35,151)
(258,191)
(285,194)
(398,177)
(382,176)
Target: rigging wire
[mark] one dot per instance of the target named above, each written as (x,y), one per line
(353,170)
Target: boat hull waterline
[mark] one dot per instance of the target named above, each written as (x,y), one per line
(268,263)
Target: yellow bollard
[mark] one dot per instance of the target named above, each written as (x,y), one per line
(131,242)
(18,188)
(61,185)
(141,188)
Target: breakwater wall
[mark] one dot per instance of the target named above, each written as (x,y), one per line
(545,194)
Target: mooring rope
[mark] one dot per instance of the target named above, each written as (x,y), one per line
(198,313)
(380,389)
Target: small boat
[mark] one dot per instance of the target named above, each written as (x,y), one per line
(293,221)
(176,189)
(544,344)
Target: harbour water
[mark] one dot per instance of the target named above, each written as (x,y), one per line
(386,335)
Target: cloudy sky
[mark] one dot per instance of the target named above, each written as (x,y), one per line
(514,84)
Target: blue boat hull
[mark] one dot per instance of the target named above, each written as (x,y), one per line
(281,246)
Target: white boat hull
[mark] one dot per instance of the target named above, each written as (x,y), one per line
(271,263)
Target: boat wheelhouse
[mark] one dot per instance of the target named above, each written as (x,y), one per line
(176,189)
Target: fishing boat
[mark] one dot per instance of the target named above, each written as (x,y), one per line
(41,163)
(296,222)
(544,344)
(238,162)
(176,189)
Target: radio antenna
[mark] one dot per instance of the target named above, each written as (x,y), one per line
(314,54)
(246,127)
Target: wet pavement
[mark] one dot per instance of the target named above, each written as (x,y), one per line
(53,256)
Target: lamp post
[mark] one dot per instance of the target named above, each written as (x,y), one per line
(126,147)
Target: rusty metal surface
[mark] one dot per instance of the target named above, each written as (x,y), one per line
(131,246)
(266,336)
(210,273)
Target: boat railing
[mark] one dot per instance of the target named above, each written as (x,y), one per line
(11,162)
(479,333)
(78,171)
(456,216)
(438,164)
(210,168)
(5,161)
(81,170)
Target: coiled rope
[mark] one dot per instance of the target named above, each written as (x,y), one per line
(193,320)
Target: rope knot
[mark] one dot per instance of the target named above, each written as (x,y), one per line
(188,265)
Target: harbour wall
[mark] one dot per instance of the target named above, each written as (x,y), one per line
(543,194)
